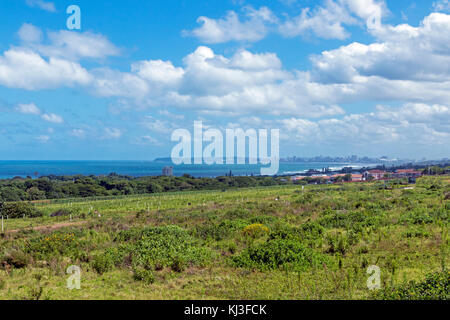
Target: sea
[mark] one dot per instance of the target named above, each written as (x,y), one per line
(11,169)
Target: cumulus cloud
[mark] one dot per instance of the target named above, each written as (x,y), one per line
(53,118)
(253,27)
(325,22)
(403,53)
(30,33)
(25,69)
(29,108)
(329,20)
(423,124)
(67,44)
(406,64)
(244,83)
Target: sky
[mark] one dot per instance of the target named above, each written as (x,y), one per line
(336,77)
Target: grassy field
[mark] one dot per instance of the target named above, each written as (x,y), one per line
(264,243)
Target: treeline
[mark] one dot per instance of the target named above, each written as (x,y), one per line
(59,187)
(436,170)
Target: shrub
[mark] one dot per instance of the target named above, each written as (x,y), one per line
(61,212)
(141,274)
(279,253)
(112,257)
(436,286)
(19,210)
(178,264)
(58,243)
(164,245)
(102,263)
(255,230)
(15,258)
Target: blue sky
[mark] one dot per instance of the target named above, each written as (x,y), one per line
(337,77)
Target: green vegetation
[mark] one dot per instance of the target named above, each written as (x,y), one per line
(61,187)
(276,242)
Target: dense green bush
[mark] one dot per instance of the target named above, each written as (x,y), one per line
(66,244)
(111,257)
(162,246)
(279,253)
(436,286)
(19,210)
(158,247)
(142,274)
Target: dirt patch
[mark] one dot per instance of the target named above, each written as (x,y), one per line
(52,227)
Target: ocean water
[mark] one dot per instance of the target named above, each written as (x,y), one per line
(10,169)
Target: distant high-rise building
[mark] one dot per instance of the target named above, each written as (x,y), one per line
(167,171)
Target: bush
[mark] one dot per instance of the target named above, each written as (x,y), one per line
(436,286)
(162,246)
(15,258)
(141,274)
(61,212)
(56,244)
(178,264)
(102,263)
(112,257)
(20,209)
(279,253)
(255,230)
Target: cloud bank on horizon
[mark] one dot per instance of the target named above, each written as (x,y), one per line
(372,84)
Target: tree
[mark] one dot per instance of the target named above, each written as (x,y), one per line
(35,194)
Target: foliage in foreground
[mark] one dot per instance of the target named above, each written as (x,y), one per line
(270,243)
(436,286)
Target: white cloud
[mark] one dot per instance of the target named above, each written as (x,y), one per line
(111,83)
(30,108)
(67,44)
(157,125)
(231,28)
(329,20)
(423,124)
(441,5)
(25,69)
(405,64)
(75,45)
(158,72)
(44,5)
(404,53)
(30,33)
(325,22)
(53,118)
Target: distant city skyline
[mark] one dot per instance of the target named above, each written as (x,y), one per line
(336,77)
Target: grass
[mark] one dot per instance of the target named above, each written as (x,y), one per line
(257,243)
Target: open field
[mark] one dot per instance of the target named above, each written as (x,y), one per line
(281,242)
